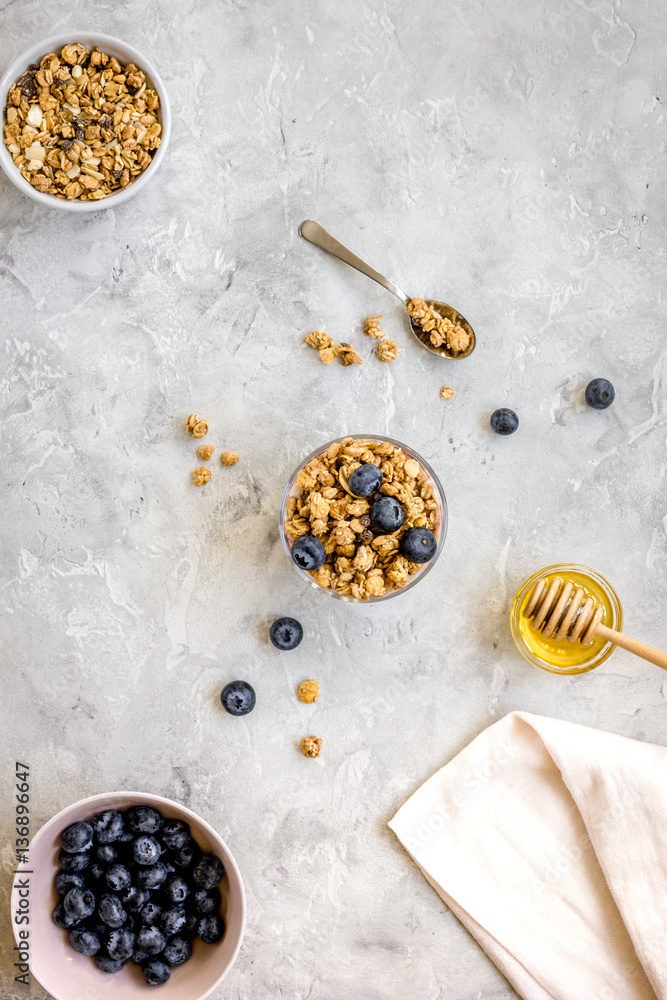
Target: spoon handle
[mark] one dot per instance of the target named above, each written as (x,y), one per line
(314,233)
(642,649)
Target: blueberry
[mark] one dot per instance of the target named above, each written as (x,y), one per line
(308,553)
(134,899)
(79,903)
(64,881)
(85,941)
(206,901)
(600,393)
(187,856)
(144,819)
(107,964)
(95,873)
(189,928)
(172,920)
(155,972)
(100,928)
(73,862)
(110,910)
(286,633)
(504,421)
(151,876)
(117,877)
(176,890)
(108,826)
(387,515)
(106,854)
(175,834)
(238,698)
(365,480)
(208,872)
(146,850)
(211,928)
(150,914)
(120,944)
(177,951)
(150,939)
(419,545)
(139,956)
(170,866)
(76,838)
(62,918)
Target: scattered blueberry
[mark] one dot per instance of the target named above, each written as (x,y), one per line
(120,944)
(62,918)
(144,819)
(600,393)
(107,964)
(150,914)
(79,903)
(238,698)
(419,545)
(172,920)
(206,901)
(176,890)
(110,910)
(134,899)
(211,928)
(175,834)
(106,854)
(308,553)
(73,862)
(504,421)
(76,838)
(187,856)
(155,972)
(365,480)
(108,826)
(146,850)
(151,876)
(208,872)
(150,939)
(387,515)
(286,633)
(85,941)
(177,951)
(65,881)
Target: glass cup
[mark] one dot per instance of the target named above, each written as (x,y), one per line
(292,490)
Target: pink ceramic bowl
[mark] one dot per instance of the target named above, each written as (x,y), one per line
(65,974)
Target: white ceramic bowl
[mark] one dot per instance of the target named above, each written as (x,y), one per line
(125,54)
(66,974)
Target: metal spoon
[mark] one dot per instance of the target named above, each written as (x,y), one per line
(314,233)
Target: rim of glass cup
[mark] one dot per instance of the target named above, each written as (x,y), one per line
(444,518)
(562,569)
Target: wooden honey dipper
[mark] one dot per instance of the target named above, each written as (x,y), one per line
(559,609)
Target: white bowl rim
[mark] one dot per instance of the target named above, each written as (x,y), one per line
(156,800)
(88,38)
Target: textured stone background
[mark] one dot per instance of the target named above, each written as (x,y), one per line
(508,158)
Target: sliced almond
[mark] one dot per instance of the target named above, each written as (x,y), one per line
(343,482)
(14,148)
(76,72)
(34,116)
(92,173)
(140,91)
(35,164)
(73,171)
(36,152)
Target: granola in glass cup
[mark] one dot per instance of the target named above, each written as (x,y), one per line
(361,563)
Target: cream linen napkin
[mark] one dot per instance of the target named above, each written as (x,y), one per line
(548,841)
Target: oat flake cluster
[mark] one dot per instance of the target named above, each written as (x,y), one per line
(359,563)
(80,125)
(442,331)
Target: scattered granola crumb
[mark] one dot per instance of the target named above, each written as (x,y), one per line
(201,475)
(387,350)
(229,458)
(191,422)
(80,125)
(372,327)
(205,451)
(441,329)
(348,355)
(200,429)
(309,691)
(447,393)
(323,343)
(311,746)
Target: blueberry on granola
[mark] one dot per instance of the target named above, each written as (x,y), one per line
(308,553)
(366,479)
(286,633)
(387,515)
(419,545)
(600,393)
(238,698)
(504,421)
